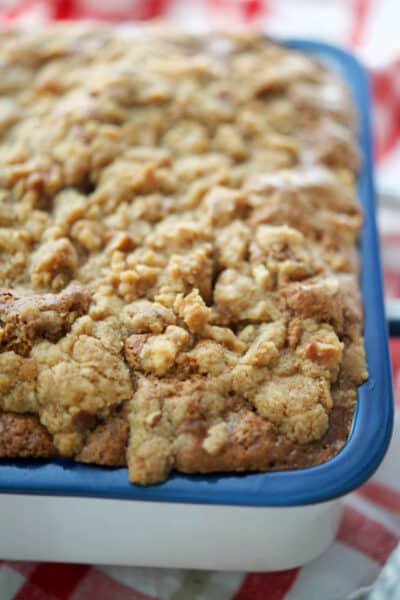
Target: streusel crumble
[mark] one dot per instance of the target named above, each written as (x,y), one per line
(179,268)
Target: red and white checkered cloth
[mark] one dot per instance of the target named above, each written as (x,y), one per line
(370,529)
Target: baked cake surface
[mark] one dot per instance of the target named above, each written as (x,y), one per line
(178,241)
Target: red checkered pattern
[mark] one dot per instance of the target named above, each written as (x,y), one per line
(370,529)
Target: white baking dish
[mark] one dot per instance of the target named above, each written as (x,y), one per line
(62,511)
(164,534)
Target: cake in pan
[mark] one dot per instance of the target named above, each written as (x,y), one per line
(179,268)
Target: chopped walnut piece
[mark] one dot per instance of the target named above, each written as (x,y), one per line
(295,329)
(156,354)
(54,264)
(143,316)
(193,311)
(195,269)
(321,299)
(153,418)
(268,236)
(210,358)
(217,438)
(133,348)
(241,296)
(224,336)
(322,353)
(261,352)
(88,234)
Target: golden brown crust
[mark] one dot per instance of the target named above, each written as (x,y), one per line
(268,451)
(49,316)
(106,445)
(22,436)
(178,230)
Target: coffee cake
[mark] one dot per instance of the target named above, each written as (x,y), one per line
(179,267)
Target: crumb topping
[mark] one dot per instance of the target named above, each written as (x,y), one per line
(179,271)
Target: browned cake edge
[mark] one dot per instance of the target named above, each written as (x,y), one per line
(23,436)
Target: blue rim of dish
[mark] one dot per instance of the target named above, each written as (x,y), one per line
(373,419)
